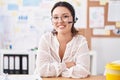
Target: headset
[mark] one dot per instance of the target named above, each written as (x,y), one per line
(75,20)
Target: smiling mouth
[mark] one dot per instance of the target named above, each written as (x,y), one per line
(61,27)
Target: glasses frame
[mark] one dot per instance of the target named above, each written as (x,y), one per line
(64,18)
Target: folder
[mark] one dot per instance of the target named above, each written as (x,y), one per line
(11,65)
(17,64)
(5,64)
(24,65)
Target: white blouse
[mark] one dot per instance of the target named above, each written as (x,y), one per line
(49,64)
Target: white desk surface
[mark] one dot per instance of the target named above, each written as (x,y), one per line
(19,77)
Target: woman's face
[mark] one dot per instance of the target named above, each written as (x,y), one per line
(62,20)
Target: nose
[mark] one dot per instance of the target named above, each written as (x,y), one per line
(60,19)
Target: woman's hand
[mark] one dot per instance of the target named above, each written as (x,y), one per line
(70,64)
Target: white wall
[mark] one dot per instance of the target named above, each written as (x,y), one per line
(108,49)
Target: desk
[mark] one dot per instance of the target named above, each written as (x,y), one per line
(36,77)
(89,78)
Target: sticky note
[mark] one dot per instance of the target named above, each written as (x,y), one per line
(31,2)
(1,3)
(101,32)
(103,2)
(118,24)
(12,7)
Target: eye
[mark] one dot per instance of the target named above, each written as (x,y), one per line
(55,17)
(65,16)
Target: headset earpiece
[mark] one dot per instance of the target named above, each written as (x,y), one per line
(75,20)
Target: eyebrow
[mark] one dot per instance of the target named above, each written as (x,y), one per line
(62,14)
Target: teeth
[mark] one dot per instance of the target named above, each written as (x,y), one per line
(61,26)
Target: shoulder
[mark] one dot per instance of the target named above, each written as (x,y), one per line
(80,39)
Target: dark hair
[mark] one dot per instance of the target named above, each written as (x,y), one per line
(72,11)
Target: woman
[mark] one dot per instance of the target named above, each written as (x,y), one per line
(63,52)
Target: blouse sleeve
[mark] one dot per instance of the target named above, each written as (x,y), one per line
(82,60)
(44,66)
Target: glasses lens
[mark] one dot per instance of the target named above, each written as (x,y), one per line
(63,18)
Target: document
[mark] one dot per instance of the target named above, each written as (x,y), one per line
(114,10)
(101,32)
(96,17)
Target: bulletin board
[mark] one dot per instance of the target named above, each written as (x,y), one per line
(109,29)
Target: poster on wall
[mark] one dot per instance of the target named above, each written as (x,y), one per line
(114,11)
(34,17)
(96,15)
(81,13)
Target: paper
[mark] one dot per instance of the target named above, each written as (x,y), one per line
(12,7)
(118,24)
(96,17)
(81,13)
(1,3)
(103,2)
(31,2)
(114,10)
(109,27)
(101,32)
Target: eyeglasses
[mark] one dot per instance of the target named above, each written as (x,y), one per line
(64,18)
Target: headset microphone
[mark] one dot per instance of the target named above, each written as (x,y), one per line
(70,22)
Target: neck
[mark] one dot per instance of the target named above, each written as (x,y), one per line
(64,37)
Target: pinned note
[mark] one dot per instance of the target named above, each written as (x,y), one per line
(114,11)
(103,2)
(12,7)
(19,2)
(109,27)
(1,3)
(118,24)
(101,32)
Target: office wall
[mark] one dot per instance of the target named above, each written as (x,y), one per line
(28,19)
(108,50)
